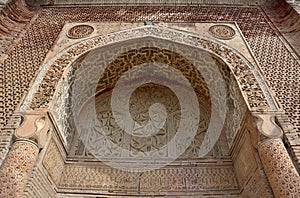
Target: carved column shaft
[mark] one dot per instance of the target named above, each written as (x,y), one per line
(278,166)
(17,167)
(282,175)
(19,163)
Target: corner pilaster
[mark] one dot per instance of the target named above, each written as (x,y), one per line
(278,166)
(19,163)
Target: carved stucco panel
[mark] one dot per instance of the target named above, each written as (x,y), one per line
(243,72)
(56,89)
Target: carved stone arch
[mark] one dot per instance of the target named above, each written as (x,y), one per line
(52,93)
(242,69)
(49,89)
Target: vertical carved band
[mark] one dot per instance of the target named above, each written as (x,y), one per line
(282,175)
(17,167)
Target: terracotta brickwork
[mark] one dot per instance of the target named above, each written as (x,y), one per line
(287,18)
(152,2)
(254,166)
(13,18)
(49,90)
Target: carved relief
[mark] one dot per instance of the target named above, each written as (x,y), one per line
(102,58)
(254,25)
(13,18)
(240,68)
(260,37)
(34,127)
(80,31)
(171,179)
(53,161)
(257,186)
(266,126)
(16,168)
(139,104)
(252,180)
(282,175)
(18,165)
(250,87)
(39,185)
(222,31)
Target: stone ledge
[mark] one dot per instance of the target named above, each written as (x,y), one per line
(150,2)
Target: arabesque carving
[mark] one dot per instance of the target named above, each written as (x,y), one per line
(249,85)
(53,161)
(279,66)
(21,159)
(278,166)
(170,179)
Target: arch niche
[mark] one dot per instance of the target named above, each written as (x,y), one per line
(222,79)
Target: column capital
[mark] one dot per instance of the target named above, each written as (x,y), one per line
(266,127)
(34,127)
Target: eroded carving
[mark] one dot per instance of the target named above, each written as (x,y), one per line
(80,31)
(139,104)
(222,31)
(255,28)
(53,161)
(171,179)
(266,125)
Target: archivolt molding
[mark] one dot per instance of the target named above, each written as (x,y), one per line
(250,82)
